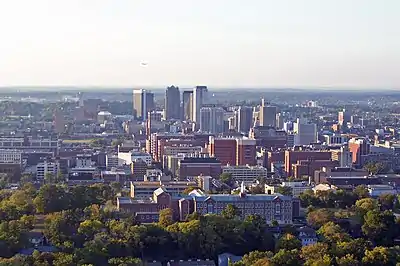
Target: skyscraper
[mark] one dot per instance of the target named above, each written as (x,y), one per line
(199,97)
(172,103)
(143,102)
(305,133)
(187,105)
(344,117)
(244,119)
(267,115)
(212,120)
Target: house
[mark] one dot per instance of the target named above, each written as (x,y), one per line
(307,236)
(225,259)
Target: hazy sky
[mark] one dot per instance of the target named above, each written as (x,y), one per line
(221,43)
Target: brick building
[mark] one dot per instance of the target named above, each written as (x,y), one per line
(224,149)
(195,166)
(246,152)
(293,156)
(271,207)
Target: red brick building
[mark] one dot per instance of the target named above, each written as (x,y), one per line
(275,157)
(196,166)
(146,210)
(292,157)
(308,168)
(224,149)
(246,152)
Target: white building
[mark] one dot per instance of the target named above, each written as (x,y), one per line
(42,169)
(212,119)
(199,98)
(126,158)
(10,156)
(335,139)
(307,236)
(378,190)
(297,187)
(245,173)
(84,161)
(103,116)
(111,161)
(305,133)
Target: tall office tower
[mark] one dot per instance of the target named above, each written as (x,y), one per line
(267,115)
(172,103)
(143,102)
(187,105)
(279,120)
(244,119)
(232,123)
(305,133)
(59,122)
(344,117)
(212,120)
(199,98)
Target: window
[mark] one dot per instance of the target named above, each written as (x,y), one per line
(277,209)
(210,208)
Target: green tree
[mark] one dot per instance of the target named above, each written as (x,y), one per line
(316,254)
(126,261)
(254,234)
(319,217)
(89,228)
(377,256)
(287,258)
(288,242)
(230,212)
(361,191)
(227,179)
(355,247)
(387,201)
(49,178)
(116,187)
(166,217)
(252,257)
(61,227)
(63,259)
(284,190)
(332,233)
(51,198)
(26,178)
(364,205)
(347,260)
(374,168)
(380,227)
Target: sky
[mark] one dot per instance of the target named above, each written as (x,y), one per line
(219,43)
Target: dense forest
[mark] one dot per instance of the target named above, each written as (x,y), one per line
(84,228)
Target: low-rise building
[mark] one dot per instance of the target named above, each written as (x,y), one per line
(113,175)
(45,168)
(111,161)
(297,187)
(10,156)
(245,173)
(307,236)
(145,189)
(275,207)
(378,190)
(126,158)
